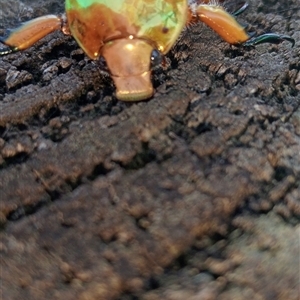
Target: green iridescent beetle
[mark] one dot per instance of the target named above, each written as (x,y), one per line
(128,34)
(132,35)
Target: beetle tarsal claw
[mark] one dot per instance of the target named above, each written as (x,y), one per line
(241,9)
(7,50)
(269,38)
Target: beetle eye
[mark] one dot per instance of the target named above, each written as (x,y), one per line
(102,64)
(156,58)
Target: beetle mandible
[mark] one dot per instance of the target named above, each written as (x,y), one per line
(131,35)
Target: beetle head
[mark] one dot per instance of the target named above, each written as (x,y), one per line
(129,62)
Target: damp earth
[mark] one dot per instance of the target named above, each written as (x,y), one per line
(193,194)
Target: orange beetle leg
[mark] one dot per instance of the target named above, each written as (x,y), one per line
(230,30)
(222,23)
(30,32)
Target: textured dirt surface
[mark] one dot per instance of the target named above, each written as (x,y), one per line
(193,194)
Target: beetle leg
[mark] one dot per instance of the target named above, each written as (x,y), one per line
(225,25)
(241,9)
(32,31)
(222,23)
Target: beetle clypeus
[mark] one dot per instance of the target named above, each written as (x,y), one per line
(131,35)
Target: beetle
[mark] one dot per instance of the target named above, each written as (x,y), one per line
(132,35)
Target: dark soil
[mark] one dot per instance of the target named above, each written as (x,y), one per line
(194,194)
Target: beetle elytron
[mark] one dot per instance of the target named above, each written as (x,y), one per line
(131,34)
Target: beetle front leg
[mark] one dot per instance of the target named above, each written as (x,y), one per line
(32,31)
(225,25)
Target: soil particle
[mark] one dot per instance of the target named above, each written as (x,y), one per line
(193,194)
